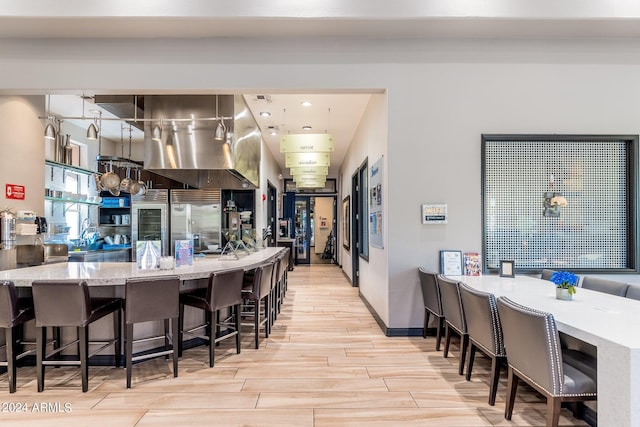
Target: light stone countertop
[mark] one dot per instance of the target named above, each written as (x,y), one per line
(609,322)
(116,273)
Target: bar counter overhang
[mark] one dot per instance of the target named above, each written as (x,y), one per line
(115,274)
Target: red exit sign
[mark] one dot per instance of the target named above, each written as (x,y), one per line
(13,191)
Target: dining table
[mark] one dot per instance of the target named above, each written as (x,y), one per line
(608,322)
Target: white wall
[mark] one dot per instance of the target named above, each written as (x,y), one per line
(269,172)
(22,151)
(441,96)
(370,143)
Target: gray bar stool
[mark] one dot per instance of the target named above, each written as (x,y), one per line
(14,313)
(224,290)
(257,294)
(149,299)
(61,303)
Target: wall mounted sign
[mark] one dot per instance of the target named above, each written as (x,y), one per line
(375,205)
(434,214)
(14,191)
(306,143)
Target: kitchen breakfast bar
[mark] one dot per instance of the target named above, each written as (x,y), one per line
(114,274)
(108,280)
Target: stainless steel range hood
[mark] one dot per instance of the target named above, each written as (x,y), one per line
(187,151)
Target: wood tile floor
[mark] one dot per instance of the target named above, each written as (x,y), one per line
(326,363)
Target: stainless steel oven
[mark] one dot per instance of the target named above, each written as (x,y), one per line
(150,219)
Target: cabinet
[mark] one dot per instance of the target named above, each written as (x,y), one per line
(114,221)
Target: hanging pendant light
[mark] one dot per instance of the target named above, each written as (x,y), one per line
(220,131)
(156,133)
(219,134)
(50,131)
(92,132)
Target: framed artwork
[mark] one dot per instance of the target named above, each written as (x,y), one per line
(507,268)
(346,223)
(451,263)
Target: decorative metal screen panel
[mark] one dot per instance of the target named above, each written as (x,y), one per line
(558,202)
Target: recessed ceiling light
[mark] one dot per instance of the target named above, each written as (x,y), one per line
(274,133)
(306,104)
(306,127)
(265,114)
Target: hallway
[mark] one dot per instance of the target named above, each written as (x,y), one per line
(327,363)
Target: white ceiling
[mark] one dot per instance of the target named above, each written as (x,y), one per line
(336,114)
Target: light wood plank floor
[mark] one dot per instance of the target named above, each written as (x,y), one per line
(327,363)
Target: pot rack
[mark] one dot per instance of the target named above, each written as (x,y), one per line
(121,161)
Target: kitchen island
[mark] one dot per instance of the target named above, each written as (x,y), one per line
(109,278)
(115,274)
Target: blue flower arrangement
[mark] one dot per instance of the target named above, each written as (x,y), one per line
(565,280)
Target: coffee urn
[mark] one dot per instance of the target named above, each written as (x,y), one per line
(8,242)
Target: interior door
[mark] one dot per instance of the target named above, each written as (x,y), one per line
(302,225)
(271,213)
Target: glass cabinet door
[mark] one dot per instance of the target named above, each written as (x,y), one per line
(149,224)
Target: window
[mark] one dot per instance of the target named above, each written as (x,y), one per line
(560,202)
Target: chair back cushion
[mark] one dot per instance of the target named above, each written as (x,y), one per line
(151,298)
(61,302)
(430,291)
(284,264)
(605,285)
(546,274)
(483,322)
(633,291)
(266,279)
(225,289)
(9,309)
(451,305)
(532,344)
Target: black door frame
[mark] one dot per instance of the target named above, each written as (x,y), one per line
(307,228)
(272,193)
(354,244)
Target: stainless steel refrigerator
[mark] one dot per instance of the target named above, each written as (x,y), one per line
(150,219)
(196,215)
